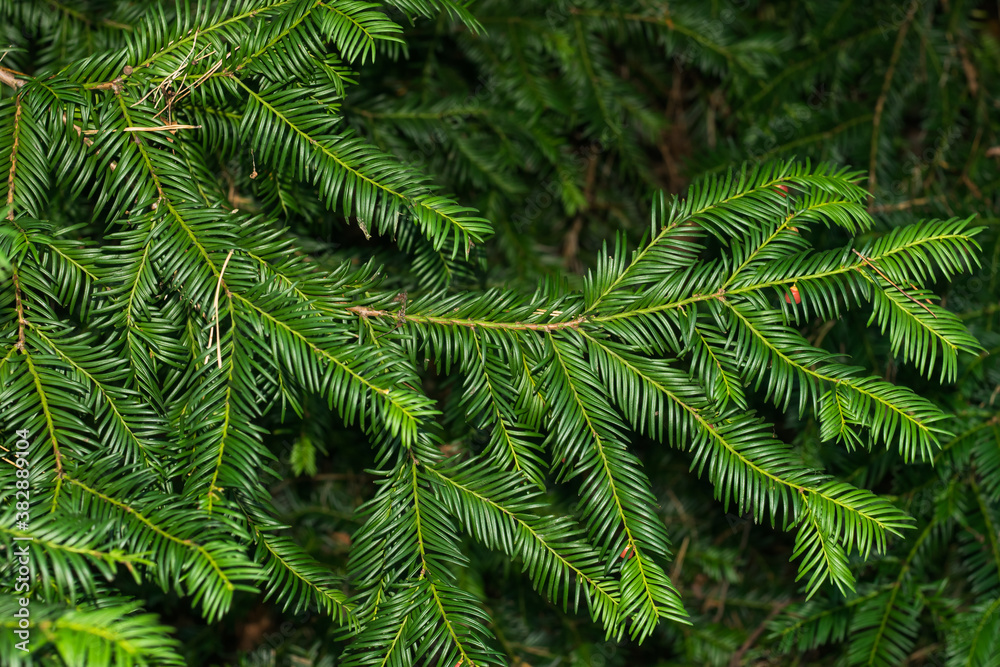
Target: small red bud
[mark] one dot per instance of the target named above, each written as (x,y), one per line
(795,295)
(784,190)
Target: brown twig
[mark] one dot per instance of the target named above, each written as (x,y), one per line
(204,77)
(571,246)
(736,659)
(170,127)
(823,331)
(18,304)
(969,69)
(167,81)
(8,77)
(571,243)
(19,307)
(886,84)
(685,518)
(721,602)
(400,315)
(6,459)
(115,85)
(675,573)
(886,278)
(13,158)
(211,339)
(973,188)
(903,205)
(364,311)
(218,286)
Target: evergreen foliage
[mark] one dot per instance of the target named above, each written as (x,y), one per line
(252,248)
